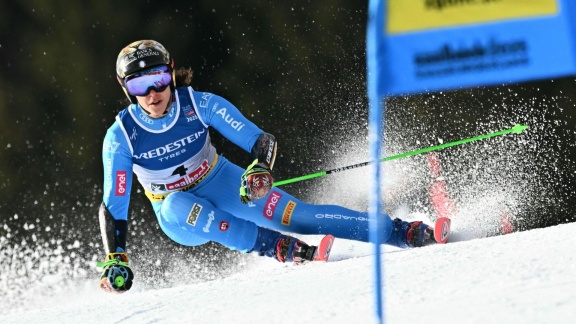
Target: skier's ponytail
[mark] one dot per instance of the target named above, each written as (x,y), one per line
(183,77)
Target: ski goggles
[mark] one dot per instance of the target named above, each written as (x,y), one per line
(156,78)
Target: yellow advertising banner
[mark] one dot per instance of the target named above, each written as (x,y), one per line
(405,16)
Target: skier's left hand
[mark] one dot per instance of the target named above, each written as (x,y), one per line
(117,276)
(256,182)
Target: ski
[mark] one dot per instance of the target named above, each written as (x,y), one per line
(442,230)
(445,208)
(438,190)
(323,249)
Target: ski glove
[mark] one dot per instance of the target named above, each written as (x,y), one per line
(256,182)
(116,276)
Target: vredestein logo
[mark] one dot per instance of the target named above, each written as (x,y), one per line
(170,147)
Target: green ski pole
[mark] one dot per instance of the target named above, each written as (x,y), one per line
(517,129)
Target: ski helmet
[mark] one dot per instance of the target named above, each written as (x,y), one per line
(141,55)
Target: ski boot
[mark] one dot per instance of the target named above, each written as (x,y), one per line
(292,249)
(419,234)
(286,248)
(414,234)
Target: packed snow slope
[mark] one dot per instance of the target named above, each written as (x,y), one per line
(523,277)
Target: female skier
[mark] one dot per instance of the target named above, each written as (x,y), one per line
(162,137)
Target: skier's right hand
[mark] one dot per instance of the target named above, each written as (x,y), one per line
(116,274)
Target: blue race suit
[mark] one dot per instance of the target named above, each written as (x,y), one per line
(194,191)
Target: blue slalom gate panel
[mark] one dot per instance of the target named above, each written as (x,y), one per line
(431,45)
(416,46)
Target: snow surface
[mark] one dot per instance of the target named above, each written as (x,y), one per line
(523,277)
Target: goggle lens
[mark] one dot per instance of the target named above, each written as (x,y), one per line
(157,78)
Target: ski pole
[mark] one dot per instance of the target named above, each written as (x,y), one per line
(517,129)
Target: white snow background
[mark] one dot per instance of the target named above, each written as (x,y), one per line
(524,277)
